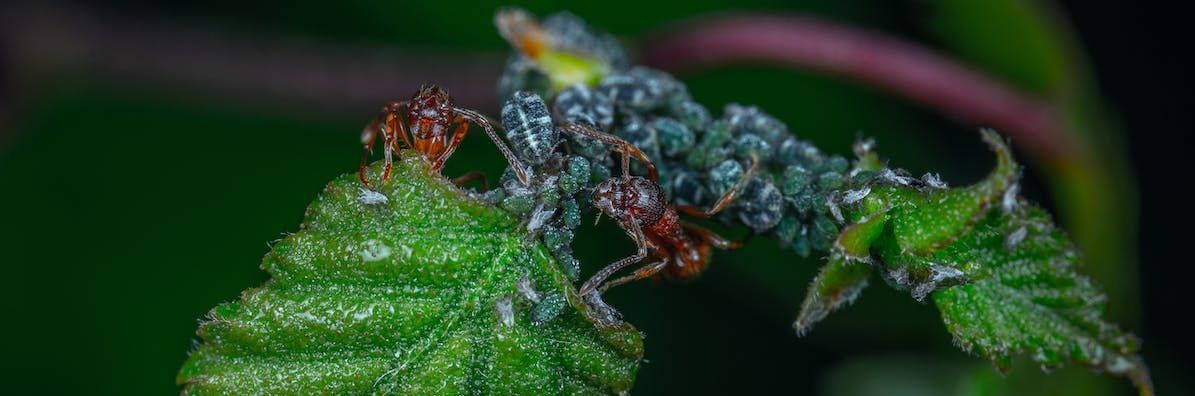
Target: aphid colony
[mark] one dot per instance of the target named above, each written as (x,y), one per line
(795,193)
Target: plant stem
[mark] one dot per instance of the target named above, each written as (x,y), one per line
(902,67)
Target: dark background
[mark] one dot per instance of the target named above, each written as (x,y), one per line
(148,153)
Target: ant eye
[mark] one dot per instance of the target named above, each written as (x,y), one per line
(529,127)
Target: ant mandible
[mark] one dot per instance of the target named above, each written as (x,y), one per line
(642,210)
(436,128)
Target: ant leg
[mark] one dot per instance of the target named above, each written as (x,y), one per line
(458,134)
(626,148)
(390,143)
(391,124)
(727,198)
(368,136)
(604,273)
(641,273)
(479,119)
(712,238)
(471,176)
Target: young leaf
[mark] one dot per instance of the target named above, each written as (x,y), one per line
(1002,275)
(407,289)
(837,285)
(1026,298)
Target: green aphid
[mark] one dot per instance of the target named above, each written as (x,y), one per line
(569,265)
(518,204)
(805,201)
(568,184)
(571,215)
(795,180)
(692,114)
(549,308)
(822,233)
(862,177)
(578,168)
(788,228)
(801,243)
(587,147)
(831,180)
(724,176)
(712,148)
(675,138)
(557,238)
(549,195)
(747,145)
(598,174)
(837,164)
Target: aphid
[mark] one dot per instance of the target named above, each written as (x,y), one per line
(529,127)
(640,89)
(761,205)
(642,210)
(692,114)
(522,74)
(580,104)
(674,137)
(751,120)
(435,128)
(627,150)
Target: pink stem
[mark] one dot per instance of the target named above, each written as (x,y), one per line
(905,68)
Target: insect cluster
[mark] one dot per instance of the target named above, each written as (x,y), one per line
(551,203)
(794,196)
(743,167)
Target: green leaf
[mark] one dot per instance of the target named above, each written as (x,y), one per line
(999,270)
(1025,297)
(410,289)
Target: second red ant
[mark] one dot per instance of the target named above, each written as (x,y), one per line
(639,205)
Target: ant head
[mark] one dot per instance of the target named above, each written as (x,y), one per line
(629,198)
(430,113)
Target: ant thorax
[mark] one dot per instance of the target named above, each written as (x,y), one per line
(630,199)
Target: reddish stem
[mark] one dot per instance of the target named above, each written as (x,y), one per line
(902,67)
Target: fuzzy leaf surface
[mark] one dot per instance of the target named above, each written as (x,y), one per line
(407,289)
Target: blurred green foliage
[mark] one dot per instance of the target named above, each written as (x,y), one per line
(132,208)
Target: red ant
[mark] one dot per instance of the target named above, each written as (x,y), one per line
(641,209)
(436,128)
